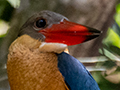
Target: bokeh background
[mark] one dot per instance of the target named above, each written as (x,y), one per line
(101,56)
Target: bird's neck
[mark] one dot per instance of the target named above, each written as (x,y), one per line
(29,69)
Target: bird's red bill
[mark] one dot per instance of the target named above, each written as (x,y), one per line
(69,33)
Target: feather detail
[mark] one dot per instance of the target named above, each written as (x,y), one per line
(30,69)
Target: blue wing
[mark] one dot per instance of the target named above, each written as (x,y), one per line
(75,74)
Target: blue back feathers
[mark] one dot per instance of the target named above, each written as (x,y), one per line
(75,74)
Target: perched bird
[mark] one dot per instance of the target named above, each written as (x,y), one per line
(37,61)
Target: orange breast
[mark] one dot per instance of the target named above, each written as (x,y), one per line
(29,69)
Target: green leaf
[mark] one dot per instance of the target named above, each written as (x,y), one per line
(5,10)
(109,54)
(118,8)
(14,3)
(112,39)
(4,26)
(117,16)
(115,50)
(103,83)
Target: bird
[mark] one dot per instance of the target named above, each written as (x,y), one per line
(37,61)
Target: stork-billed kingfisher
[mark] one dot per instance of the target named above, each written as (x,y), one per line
(37,61)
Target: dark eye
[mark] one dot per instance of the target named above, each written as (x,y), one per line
(40,23)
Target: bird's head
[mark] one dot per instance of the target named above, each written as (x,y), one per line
(55,30)
(29,68)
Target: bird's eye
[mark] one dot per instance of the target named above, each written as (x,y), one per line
(40,23)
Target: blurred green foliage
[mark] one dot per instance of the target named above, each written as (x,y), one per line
(117,16)
(105,84)
(14,3)
(6,10)
(112,41)
(111,50)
